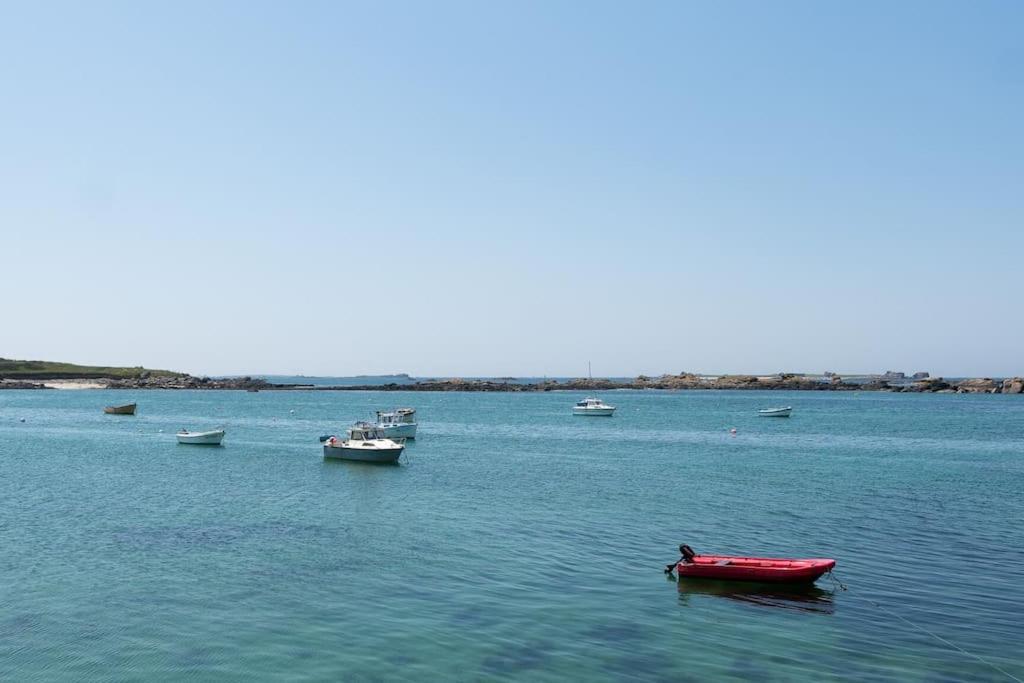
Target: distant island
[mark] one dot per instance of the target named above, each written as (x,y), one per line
(402,376)
(21,374)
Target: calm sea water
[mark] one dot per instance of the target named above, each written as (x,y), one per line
(515,541)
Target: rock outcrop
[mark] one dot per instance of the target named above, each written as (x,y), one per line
(930,384)
(18,384)
(190,382)
(983,385)
(1013,385)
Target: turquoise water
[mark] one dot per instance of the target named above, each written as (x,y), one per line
(515,542)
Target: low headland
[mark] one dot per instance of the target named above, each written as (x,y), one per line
(49,375)
(33,370)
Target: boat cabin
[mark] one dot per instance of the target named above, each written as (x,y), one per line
(590,402)
(406,416)
(364,431)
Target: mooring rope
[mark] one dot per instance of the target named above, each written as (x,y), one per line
(922,629)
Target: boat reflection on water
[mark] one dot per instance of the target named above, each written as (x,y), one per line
(800,597)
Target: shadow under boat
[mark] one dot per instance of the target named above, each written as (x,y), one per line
(798,597)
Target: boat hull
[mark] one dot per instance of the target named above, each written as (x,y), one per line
(756,569)
(201,438)
(399,431)
(594,412)
(362,454)
(128,409)
(775,412)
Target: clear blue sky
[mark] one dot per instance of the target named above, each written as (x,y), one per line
(514,187)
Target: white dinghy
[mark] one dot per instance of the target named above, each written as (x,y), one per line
(776,412)
(209,438)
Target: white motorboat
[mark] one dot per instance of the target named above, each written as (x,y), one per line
(365,443)
(776,412)
(208,438)
(398,424)
(594,407)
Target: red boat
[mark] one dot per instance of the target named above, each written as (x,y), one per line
(762,569)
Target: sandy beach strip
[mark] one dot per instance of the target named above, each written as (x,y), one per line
(61,383)
(73,384)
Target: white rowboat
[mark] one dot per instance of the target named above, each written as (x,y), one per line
(210,438)
(776,412)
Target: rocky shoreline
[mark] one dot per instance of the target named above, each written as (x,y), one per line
(149,382)
(17,384)
(892,382)
(788,382)
(190,382)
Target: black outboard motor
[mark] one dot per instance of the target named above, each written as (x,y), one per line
(687,553)
(687,558)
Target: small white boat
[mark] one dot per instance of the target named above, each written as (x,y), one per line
(365,443)
(593,407)
(209,438)
(398,424)
(776,412)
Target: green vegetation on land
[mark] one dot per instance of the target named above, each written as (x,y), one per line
(41,369)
